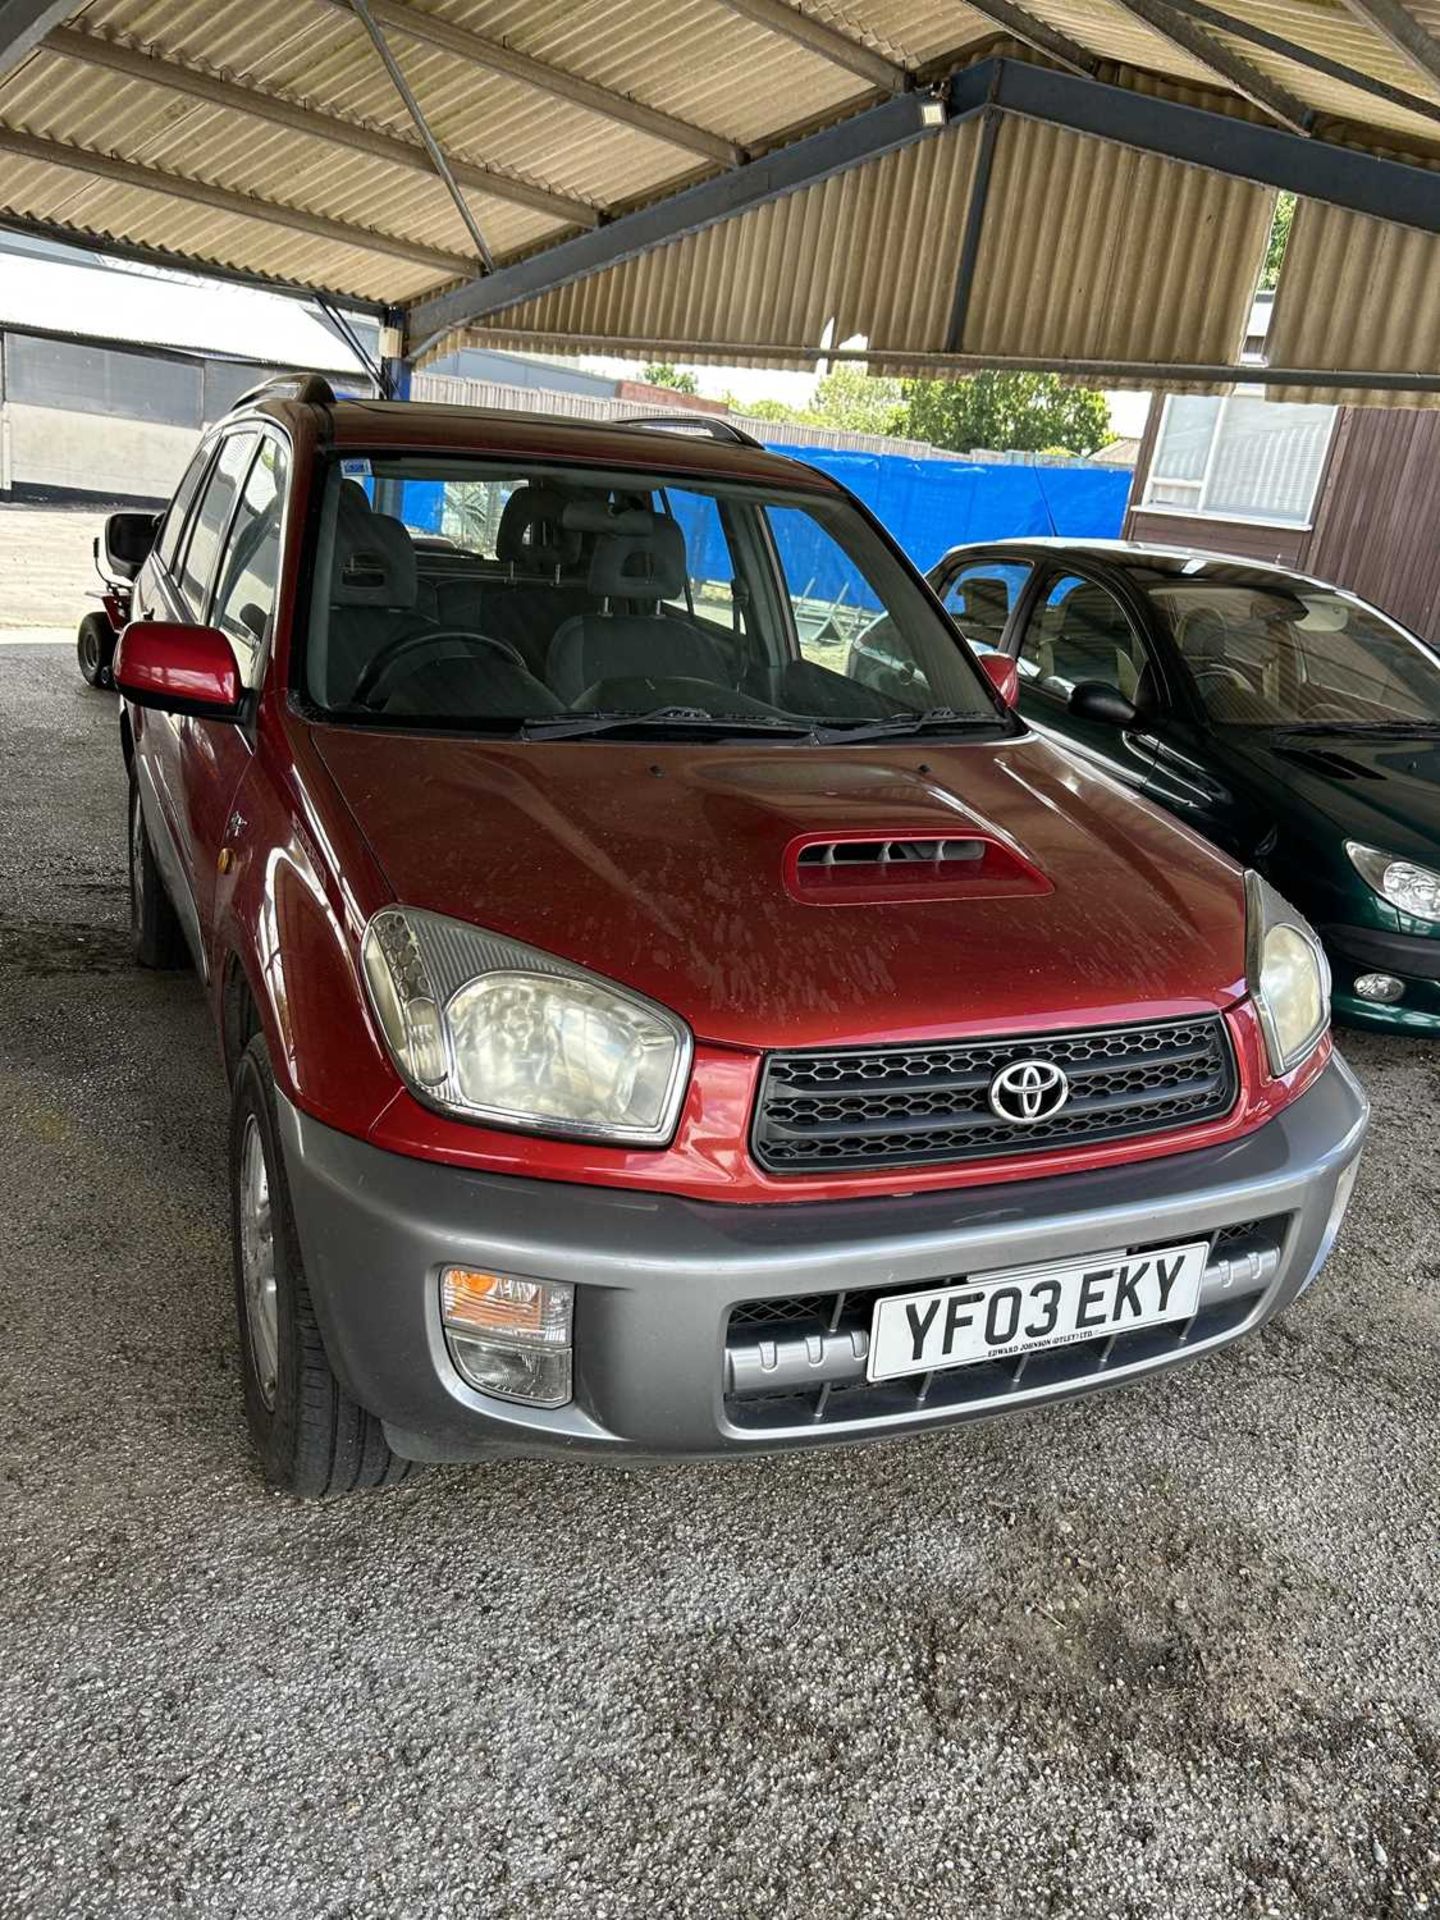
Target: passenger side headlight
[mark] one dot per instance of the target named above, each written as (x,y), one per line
(1406,884)
(1289,976)
(487,1029)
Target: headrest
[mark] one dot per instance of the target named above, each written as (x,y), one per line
(374,559)
(981,597)
(1203,636)
(597,515)
(533,531)
(639,556)
(352,491)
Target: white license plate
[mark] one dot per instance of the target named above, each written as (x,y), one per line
(1029,1309)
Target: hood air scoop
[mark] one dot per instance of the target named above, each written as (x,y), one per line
(862,869)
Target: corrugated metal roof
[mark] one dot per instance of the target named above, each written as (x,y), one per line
(871,251)
(1096,252)
(1090,251)
(1359,294)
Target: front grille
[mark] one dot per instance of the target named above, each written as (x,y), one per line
(906,1106)
(800,1359)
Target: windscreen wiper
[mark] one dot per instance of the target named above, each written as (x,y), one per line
(575,726)
(945,718)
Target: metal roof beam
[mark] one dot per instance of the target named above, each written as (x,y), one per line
(1031,31)
(1236,73)
(494,54)
(777,16)
(1270,156)
(135,65)
(865,136)
(24,24)
(422,127)
(1401,30)
(1237,29)
(958,366)
(107,166)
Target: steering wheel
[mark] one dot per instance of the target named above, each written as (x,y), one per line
(1222,670)
(444,643)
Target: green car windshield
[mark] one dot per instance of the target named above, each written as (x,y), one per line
(554,601)
(1292,654)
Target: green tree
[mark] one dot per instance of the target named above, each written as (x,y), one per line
(765,410)
(1279,240)
(1023,412)
(851,399)
(660,373)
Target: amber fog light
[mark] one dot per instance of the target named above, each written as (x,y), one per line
(508,1336)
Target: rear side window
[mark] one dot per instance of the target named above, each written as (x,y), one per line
(211,519)
(168,544)
(981,598)
(250,570)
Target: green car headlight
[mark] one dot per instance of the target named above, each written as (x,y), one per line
(487,1029)
(1406,884)
(1289,976)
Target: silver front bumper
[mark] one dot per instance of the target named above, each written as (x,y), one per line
(664,1361)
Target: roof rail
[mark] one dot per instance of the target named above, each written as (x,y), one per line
(710,423)
(313,387)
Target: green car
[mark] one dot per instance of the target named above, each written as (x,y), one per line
(1286,720)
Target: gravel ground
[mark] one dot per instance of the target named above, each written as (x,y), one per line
(1171,1652)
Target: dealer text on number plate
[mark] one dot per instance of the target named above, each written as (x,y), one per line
(999,1316)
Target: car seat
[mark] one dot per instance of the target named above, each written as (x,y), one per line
(373,591)
(541,587)
(638,558)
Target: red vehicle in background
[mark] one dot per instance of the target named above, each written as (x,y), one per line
(643,1036)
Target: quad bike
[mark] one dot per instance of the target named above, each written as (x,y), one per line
(119,551)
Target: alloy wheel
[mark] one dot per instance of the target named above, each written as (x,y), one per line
(257,1262)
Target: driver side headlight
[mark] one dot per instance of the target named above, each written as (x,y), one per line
(1406,884)
(1289,976)
(487,1029)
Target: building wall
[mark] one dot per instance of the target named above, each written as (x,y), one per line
(87,416)
(1376,526)
(72,452)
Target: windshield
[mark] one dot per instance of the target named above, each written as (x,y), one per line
(458,593)
(1295,655)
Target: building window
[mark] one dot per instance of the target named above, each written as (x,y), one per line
(1239,459)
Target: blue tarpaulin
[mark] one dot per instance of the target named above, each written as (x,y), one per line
(930,505)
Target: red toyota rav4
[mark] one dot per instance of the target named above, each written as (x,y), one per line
(643,1034)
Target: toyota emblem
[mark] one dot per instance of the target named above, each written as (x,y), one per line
(1028,1091)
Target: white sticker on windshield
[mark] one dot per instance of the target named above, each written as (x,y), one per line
(355,469)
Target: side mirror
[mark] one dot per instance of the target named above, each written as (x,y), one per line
(126,542)
(179,669)
(1003,674)
(1097,700)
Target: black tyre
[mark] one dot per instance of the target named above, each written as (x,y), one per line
(95,650)
(156,936)
(311,1437)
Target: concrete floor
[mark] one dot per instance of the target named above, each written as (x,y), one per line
(1172,1652)
(47,572)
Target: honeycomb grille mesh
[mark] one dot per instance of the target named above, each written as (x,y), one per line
(905,1106)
